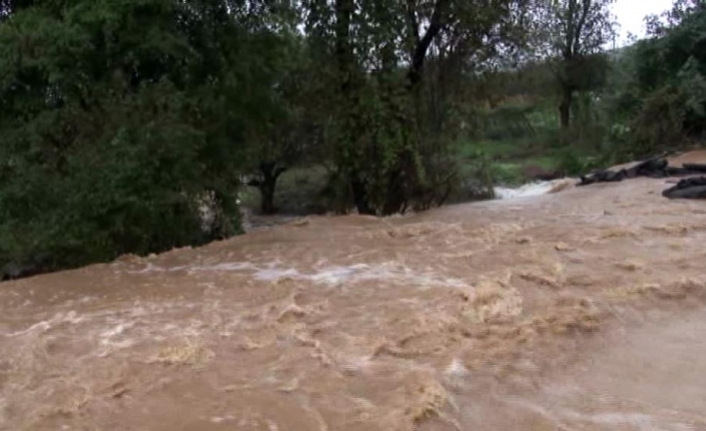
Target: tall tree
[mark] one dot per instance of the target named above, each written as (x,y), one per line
(576,30)
(381,50)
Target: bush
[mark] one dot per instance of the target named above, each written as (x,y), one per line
(660,122)
(572,163)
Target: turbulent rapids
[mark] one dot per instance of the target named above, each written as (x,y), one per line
(578,310)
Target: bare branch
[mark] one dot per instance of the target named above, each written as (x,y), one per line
(420,51)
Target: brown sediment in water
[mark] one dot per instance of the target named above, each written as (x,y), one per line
(581,310)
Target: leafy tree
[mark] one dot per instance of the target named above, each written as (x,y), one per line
(285,133)
(117,120)
(664,96)
(376,56)
(575,32)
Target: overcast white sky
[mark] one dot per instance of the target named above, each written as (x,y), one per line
(630,15)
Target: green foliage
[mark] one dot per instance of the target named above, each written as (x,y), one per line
(397,69)
(483,177)
(117,120)
(126,125)
(571,162)
(659,122)
(507,121)
(662,102)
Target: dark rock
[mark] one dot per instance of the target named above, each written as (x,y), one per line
(689,188)
(657,167)
(36,265)
(604,177)
(695,167)
(696,192)
(673,171)
(649,168)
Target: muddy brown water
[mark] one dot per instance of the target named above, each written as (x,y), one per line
(576,311)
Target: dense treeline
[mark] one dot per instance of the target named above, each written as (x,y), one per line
(127,126)
(662,94)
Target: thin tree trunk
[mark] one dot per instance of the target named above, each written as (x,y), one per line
(565,107)
(360,196)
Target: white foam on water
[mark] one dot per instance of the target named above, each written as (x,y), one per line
(149,268)
(337,274)
(527,190)
(274,274)
(191,269)
(43,326)
(390,272)
(227,266)
(328,275)
(46,325)
(456,369)
(356,364)
(534,189)
(115,331)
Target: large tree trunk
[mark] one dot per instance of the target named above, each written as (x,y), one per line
(565,107)
(360,196)
(267,184)
(267,194)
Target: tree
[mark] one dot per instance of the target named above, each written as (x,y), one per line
(665,97)
(285,133)
(576,31)
(117,120)
(380,51)
(659,25)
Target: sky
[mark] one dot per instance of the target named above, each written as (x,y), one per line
(630,14)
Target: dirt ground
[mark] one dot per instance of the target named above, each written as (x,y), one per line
(578,310)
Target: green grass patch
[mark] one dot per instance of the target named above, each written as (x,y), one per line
(509,159)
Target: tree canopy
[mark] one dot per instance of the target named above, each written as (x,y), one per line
(117,118)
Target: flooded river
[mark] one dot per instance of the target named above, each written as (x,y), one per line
(577,311)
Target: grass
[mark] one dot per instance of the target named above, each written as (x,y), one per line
(510,158)
(514,141)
